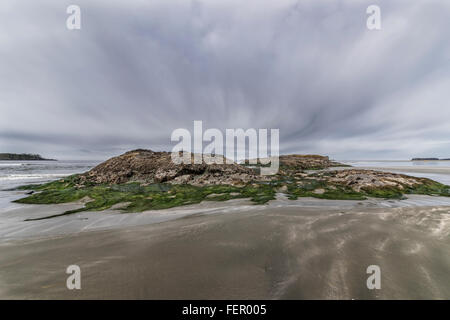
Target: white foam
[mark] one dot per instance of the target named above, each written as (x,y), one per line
(11,164)
(32,176)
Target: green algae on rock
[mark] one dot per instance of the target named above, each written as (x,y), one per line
(142,180)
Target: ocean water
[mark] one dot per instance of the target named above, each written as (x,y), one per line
(17,173)
(398,163)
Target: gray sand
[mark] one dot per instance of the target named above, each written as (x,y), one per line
(271,252)
(14,226)
(304,249)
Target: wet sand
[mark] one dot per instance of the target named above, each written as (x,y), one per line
(14,223)
(268,252)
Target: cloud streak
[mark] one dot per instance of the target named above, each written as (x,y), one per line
(137,70)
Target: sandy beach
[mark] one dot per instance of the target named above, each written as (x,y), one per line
(303,249)
(306,250)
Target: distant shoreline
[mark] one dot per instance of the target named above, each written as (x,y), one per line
(22,157)
(429,159)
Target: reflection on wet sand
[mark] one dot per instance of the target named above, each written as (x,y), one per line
(269,252)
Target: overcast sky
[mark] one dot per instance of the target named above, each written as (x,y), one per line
(139,69)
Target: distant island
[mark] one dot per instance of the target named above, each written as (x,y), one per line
(22,156)
(425,159)
(428,159)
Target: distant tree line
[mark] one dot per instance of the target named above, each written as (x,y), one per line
(22,156)
(427,159)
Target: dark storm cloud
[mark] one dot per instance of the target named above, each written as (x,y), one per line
(139,69)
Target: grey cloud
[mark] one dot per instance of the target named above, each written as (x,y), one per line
(138,70)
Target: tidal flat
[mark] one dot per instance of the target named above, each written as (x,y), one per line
(242,252)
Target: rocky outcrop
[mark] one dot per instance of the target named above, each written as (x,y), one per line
(307,162)
(148,166)
(362,179)
(296,165)
(162,184)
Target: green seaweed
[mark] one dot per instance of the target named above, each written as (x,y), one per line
(384,192)
(429,187)
(330,192)
(140,197)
